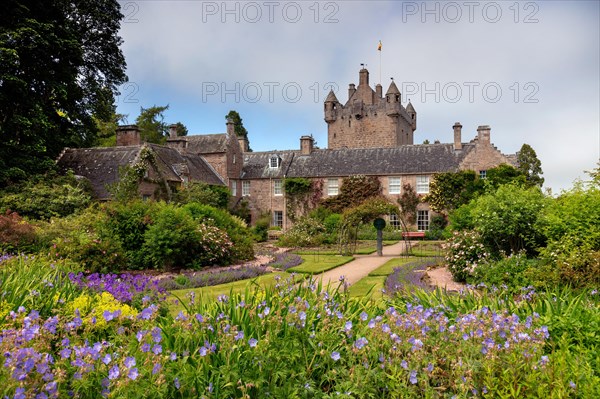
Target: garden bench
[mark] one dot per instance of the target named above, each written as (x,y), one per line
(413,234)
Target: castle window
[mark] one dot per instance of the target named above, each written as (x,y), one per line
(332,186)
(482,174)
(422,220)
(395,221)
(274,161)
(277,187)
(233,187)
(245,188)
(394,185)
(422,184)
(278,218)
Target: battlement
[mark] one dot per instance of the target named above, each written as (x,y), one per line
(368,119)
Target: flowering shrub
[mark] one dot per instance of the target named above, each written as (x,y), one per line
(465,251)
(126,288)
(285,260)
(306,232)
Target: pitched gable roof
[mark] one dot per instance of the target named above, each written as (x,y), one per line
(206,143)
(101,165)
(408,159)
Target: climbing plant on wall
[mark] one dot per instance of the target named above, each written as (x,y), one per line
(301,195)
(353,191)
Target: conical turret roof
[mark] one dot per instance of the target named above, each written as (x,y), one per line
(331,97)
(393,89)
(410,107)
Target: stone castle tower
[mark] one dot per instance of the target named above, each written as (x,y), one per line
(369,119)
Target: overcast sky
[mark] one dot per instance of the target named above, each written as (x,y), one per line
(530,70)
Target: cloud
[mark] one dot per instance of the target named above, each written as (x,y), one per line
(534,82)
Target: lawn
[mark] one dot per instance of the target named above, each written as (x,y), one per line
(319,263)
(212,292)
(373,283)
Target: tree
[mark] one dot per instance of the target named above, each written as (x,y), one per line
(151,121)
(408,201)
(450,190)
(504,174)
(530,165)
(107,129)
(239,128)
(60,63)
(181,129)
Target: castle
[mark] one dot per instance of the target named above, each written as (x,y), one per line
(370,134)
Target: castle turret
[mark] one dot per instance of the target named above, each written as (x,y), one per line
(331,106)
(392,99)
(410,110)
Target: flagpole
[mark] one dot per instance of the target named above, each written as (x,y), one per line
(379,66)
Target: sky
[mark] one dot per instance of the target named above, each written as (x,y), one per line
(530,70)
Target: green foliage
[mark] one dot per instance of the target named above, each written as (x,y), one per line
(239,128)
(530,165)
(181,129)
(509,271)
(261,228)
(450,190)
(354,191)
(507,219)
(152,125)
(306,232)
(44,197)
(175,239)
(465,252)
(16,234)
(107,128)
(202,193)
(408,201)
(504,174)
(235,227)
(436,228)
(301,195)
(60,64)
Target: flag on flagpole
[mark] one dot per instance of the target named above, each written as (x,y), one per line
(379,46)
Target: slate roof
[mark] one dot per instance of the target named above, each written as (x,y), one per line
(100,165)
(408,159)
(206,143)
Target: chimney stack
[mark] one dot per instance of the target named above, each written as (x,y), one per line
(306,145)
(457,136)
(351,90)
(230,127)
(173,131)
(363,77)
(243,144)
(128,135)
(379,90)
(483,134)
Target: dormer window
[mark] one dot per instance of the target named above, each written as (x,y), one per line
(274,161)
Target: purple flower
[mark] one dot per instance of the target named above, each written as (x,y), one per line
(203,351)
(133,373)
(348,326)
(404,364)
(20,393)
(239,335)
(572,384)
(252,342)
(413,377)
(364,316)
(106,359)
(176,383)
(113,372)
(335,356)
(360,343)
(157,349)
(156,368)
(129,362)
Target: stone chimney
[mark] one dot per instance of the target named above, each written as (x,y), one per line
(128,135)
(379,90)
(230,127)
(363,77)
(306,145)
(243,144)
(173,131)
(351,90)
(483,134)
(457,136)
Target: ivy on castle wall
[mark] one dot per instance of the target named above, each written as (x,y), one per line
(130,177)
(301,195)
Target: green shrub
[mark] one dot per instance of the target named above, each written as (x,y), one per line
(175,239)
(465,251)
(44,197)
(202,193)
(509,271)
(261,228)
(306,232)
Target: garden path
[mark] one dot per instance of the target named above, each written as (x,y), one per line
(362,265)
